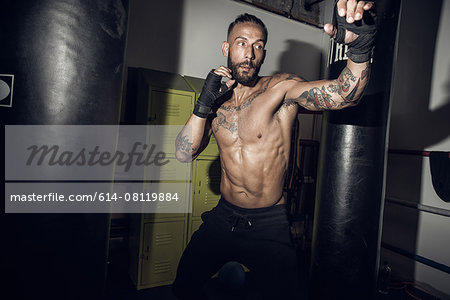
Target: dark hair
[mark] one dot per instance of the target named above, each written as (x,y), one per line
(247,18)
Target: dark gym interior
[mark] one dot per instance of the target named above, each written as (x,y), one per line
(379,171)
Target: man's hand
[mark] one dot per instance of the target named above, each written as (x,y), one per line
(356,27)
(212,90)
(225,72)
(353,10)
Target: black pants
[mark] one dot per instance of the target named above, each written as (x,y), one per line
(258,238)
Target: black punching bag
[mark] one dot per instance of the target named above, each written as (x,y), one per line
(350,190)
(61,63)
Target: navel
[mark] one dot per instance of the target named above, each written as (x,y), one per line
(259,135)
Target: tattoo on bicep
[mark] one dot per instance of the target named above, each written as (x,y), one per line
(319,98)
(221,121)
(184,145)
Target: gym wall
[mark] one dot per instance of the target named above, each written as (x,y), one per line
(416,221)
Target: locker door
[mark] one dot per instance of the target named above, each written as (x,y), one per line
(163,246)
(168,107)
(207,186)
(193,226)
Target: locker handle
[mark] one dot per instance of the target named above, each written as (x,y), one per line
(151,119)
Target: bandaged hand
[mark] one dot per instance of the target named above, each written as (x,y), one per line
(212,90)
(355,26)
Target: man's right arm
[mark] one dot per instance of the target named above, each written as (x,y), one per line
(193,138)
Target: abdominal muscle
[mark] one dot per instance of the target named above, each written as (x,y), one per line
(253,175)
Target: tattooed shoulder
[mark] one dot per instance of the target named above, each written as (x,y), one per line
(244,105)
(280,77)
(295,77)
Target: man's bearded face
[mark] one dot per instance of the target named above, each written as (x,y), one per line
(247,75)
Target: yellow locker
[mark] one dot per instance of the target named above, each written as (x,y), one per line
(206,190)
(206,186)
(169,106)
(175,178)
(162,247)
(194,224)
(166,98)
(157,239)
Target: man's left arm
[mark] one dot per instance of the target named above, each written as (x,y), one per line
(358,32)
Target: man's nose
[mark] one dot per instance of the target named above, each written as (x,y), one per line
(250,53)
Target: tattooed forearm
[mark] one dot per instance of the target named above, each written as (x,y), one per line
(334,88)
(354,94)
(365,73)
(350,90)
(342,92)
(351,97)
(345,78)
(184,145)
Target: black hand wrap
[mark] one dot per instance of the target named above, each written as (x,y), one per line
(212,90)
(360,50)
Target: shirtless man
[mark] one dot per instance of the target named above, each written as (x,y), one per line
(251,118)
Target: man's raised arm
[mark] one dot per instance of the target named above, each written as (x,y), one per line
(194,137)
(356,27)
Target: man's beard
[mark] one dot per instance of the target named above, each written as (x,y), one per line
(244,79)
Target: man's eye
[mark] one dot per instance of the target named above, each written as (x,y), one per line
(259,47)
(241,44)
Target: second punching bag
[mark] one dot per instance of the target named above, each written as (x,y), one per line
(350,191)
(61,63)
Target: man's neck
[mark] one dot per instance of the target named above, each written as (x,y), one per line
(241,92)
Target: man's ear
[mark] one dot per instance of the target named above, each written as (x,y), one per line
(225,49)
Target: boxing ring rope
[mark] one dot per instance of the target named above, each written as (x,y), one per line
(423,153)
(420,207)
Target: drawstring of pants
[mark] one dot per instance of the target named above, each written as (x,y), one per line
(236,217)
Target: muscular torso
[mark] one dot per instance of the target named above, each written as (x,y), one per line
(254,136)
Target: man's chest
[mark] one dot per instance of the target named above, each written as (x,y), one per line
(243,118)
(252,121)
